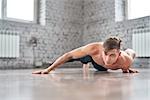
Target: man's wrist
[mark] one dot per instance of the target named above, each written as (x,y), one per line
(50,69)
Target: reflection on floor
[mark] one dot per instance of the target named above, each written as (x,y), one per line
(72,84)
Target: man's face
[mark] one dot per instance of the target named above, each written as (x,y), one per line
(111,56)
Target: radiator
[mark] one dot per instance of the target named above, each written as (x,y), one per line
(9,44)
(141,42)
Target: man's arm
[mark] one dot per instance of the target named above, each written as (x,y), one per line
(76,53)
(86,70)
(128,61)
(130,70)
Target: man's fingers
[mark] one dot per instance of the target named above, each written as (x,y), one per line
(133,71)
(40,72)
(125,71)
(44,72)
(37,72)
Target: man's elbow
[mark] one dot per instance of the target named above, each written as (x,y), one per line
(68,56)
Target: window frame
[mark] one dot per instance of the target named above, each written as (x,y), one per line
(4,13)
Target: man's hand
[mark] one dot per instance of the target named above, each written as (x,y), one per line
(45,71)
(133,71)
(130,71)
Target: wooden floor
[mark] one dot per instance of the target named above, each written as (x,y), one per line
(72,84)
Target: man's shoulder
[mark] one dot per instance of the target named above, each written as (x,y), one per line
(124,54)
(126,61)
(92,48)
(127,58)
(94,44)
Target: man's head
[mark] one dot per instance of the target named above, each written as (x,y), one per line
(111,49)
(112,43)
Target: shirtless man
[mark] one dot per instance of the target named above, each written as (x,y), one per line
(103,55)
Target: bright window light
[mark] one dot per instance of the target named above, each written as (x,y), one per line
(0,8)
(138,8)
(20,9)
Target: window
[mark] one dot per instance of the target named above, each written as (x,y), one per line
(120,10)
(0,8)
(20,9)
(138,8)
(23,10)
